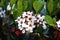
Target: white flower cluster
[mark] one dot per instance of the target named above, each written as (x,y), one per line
(2,13)
(28,21)
(58,23)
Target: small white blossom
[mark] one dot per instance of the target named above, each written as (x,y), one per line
(38,20)
(18,19)
(38,16)
(44,25)
(28,12)
(2,13)
(43,17)
(0,8)
(33,18)
(58,23)
(23,15)
(24,25)
(8,7)
(30,29)
(20,27)
(23,31)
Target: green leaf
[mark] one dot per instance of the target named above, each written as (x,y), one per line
(48,19)
(59,4)
(50,6)
(30,3)
(12,2)
(55,4)
(20,7)
(40,29)
(15,13)
(1,3)
(37,6)
(25,5)
(54,20)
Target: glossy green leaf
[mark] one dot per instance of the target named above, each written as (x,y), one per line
(55,5)
(38,6)
(59,4)
(12,2)
(1,3)
(48,19)
(15,13)
(50,6)
(25,5)
(54,20)
(20,7)
(32,1)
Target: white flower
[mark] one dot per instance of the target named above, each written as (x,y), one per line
(28,12)
(33,26)
(24,25)
(31,12)
(27,29)
(8,7)
(23,31)
(30,29)
(44,25)
(38,20)
(33,18)
(58,23)
(43,17)
(38,16)
(2,13)
(17,19)
(23,15)
(0,8)
(23,20)
(20,27)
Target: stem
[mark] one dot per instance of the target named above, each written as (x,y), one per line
(36,12)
